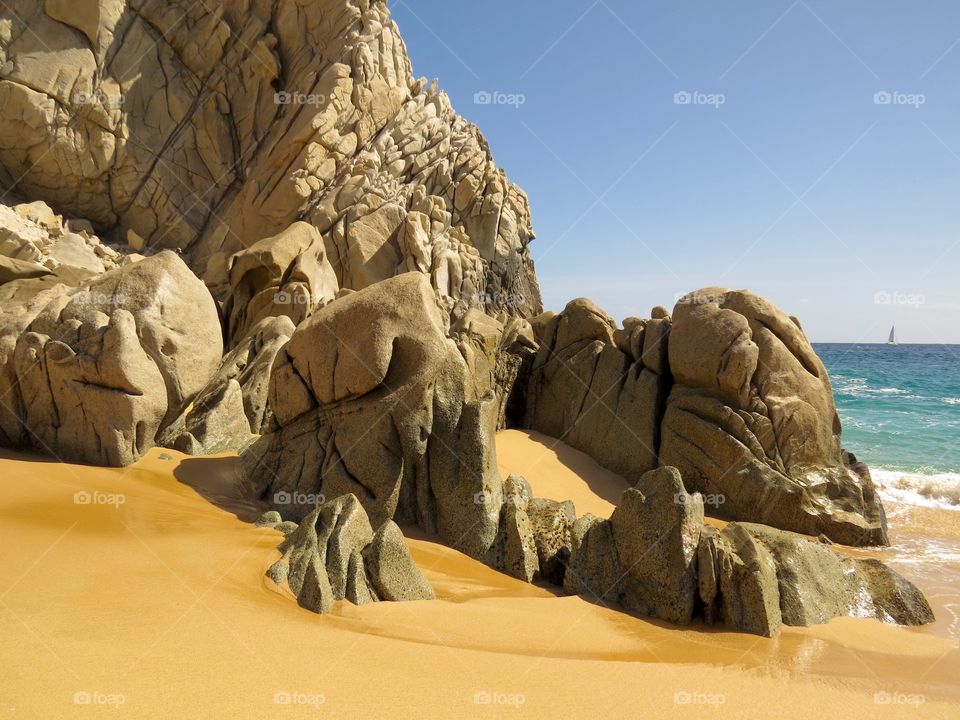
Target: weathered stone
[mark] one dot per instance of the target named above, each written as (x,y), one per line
(393,574)
(588,390)
(335,555)
(371,397)
(551,523)
(644,557)
(285,275)
(334,130)
(752,419)
(94,373)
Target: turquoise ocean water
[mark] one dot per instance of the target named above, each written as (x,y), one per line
(900,409)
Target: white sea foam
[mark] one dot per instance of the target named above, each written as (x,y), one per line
(913,488)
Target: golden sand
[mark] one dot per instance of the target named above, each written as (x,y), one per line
(149,601)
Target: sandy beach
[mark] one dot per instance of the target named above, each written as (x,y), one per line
(141,592)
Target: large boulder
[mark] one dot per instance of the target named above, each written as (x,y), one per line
(644,557)
(755,578)
(334,555)
(751,418)
(728,390)
(94,373)
(599,389)
(371,397)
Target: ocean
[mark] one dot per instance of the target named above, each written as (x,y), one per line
(900,410)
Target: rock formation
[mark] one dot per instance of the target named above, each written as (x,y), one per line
(728,390)
(279,242)
(644,557)
(597,388)
(209,127)
(371,397)
(755,578)
(334,554)
(95,372)
(751,417)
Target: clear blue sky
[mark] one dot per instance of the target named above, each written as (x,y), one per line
(799,186)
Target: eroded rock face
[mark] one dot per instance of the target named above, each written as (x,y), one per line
(751,418)
(334,555)
(728,390)
(233,407)
(287,275)
(35,241)
(755,578)
(305,111)
(599,389)
(656,557)
(644,557)
(371,397)
(93,373)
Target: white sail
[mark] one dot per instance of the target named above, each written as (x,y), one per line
(893,336)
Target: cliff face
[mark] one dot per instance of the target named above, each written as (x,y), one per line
(206,127)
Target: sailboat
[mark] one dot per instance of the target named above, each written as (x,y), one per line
(892,340)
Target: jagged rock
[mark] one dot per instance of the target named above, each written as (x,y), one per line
(215,423)
(13,269)
(234,405)
(551,523)
(335,555)
(371,397)
(644,557)
(284,275)
(817,584)
(94,373)
(306,111)
(737,581)
(34,234)
(598,389)
(755,578)
(514,549)
(657,529)
(752,418)
(391,569)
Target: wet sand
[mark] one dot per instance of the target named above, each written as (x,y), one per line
(149,601)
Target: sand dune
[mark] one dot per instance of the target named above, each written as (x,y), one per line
(152,597)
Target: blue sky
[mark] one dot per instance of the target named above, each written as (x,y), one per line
(780,170)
